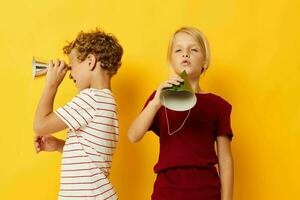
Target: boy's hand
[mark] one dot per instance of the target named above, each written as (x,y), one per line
(47,143)
(56,73)
(174,80)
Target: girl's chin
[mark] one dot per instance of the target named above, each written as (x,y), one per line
(182,68)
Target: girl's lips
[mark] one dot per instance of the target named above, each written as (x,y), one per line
(185,62)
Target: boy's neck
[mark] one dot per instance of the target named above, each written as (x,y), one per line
(100,80)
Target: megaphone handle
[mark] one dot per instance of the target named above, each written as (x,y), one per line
(168,125)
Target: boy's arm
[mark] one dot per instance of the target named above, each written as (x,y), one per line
(46,121)
(225,167)
(48,143)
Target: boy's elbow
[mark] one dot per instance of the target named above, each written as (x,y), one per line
(39,129)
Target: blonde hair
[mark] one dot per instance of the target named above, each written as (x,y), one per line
(199,37)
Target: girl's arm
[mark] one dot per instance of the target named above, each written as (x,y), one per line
(225,167)
(142,123)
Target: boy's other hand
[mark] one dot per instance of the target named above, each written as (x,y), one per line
(47,143)
(56,73)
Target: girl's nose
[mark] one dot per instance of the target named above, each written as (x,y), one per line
(185,55)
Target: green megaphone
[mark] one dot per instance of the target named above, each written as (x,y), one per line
(179,97)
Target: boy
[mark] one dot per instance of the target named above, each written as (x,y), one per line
(90,116)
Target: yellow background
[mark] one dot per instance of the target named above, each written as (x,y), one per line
(255,66)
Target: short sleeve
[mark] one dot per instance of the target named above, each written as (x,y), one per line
(223,120)
(155,125)
(78,112)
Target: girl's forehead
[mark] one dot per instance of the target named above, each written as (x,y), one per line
(184,39)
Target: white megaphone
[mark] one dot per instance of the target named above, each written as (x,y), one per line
(40,68)
(179,97)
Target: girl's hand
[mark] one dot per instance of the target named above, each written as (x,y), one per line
(56,73)
(174,80)
(47,143)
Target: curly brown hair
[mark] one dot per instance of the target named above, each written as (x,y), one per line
(105,47)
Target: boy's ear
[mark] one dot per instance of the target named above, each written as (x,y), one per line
(91,59)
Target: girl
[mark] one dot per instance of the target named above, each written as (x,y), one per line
(186,165)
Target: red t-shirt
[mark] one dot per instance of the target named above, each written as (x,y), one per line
(193,144)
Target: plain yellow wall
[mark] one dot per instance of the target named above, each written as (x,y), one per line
(255,66)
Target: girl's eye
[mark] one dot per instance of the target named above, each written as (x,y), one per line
(178,50)
(196,50)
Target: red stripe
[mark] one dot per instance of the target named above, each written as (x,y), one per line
(85,102)
(92,154)
(86,195)
(68,157)
(78,163)
(72,170)
(98,95)
(65,119)
(106,110)
(108,154)
(106,93)
(72,150)
(81,176)
(90,147)
(85,156)
(110,196)
(83,182)
(83,109)
(86,189)
(106,103)
(110,147)
(106,117)
(105,139)
(71,143)
(78,114)
(72,116)
(105,124)
(89,96)
(72,136)
(96,150)
(108,132)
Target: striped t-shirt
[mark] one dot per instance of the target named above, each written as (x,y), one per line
(92,138)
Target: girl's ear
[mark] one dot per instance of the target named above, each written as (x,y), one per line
(91,59)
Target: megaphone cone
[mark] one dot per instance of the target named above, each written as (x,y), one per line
(39,68)
(179,97)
